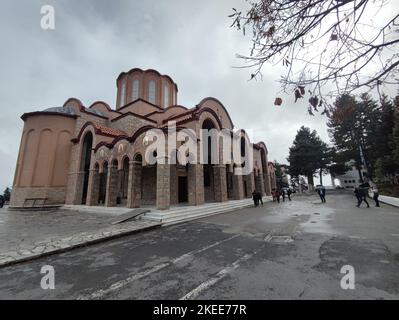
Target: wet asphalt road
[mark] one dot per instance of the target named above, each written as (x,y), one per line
(238,255)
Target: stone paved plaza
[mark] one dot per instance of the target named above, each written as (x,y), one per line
(24,235)
(291,250)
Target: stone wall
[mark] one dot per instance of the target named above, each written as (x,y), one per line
(149,185)
(54,195)
(130,124)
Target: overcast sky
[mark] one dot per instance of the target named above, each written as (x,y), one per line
(96,40)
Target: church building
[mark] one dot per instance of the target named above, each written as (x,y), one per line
(95,155)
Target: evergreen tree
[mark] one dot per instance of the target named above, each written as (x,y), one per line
(307,155)
(352,126)
(395,133)
(7,194)
(279,175)
(384,144)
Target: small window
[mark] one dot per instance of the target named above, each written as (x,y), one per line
(123,94)
(151,91)
(135,90)
(346,181)
(166,96)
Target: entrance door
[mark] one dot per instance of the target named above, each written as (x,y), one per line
(183,190)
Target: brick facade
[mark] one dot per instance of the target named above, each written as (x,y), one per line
(96,155)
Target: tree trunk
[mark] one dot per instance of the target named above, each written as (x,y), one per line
(310,182)
(321,176)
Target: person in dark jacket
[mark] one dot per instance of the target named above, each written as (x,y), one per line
(278,195)
(1,201)
(274,194)
(357,195)
(376,195)
(255,198)
(322,193)
(362,197)
(289,194)
(259,196)
(283,194)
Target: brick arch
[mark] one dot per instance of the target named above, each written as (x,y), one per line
(138,157)
(218,104)
(208,114)
(83,130)
(101,164)
(123,159)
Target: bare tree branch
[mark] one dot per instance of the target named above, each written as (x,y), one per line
(323,43)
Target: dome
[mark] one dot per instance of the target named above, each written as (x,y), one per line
(66,110)
(96,112)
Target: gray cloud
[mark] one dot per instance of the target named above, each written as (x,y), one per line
(96,40)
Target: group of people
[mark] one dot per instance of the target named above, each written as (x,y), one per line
(361,194)
(281,193)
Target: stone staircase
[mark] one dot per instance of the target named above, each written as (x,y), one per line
(187,213)
(116,211)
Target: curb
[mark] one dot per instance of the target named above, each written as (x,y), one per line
(160,224)
(78,245)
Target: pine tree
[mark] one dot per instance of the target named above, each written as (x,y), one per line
(307,155)
(384,143)
(395,133)
(353,125)
(7,194)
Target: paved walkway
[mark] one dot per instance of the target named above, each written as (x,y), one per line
(390,200)
(291,250)
(27,235)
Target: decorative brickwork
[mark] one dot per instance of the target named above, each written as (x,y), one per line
(96,155)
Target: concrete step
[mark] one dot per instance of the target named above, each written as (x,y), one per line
(195,209)
(116,211)
(184,214)
(190,217)
(204,206)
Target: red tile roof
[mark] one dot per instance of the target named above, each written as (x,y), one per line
(108,131)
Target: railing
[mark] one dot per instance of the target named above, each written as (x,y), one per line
(35,200)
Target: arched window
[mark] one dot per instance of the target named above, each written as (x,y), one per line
(123,94)
(151,91)
(166,96)
(135,90)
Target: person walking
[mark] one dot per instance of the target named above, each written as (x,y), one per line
(274,194)
(362,197)
(255,198)
(323,189)
(1,201)
(289,192)
(278,195)
(322,193)
(357,195)
(259,196)
(376,195)
(283,194)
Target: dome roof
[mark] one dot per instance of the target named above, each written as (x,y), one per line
(66,110)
